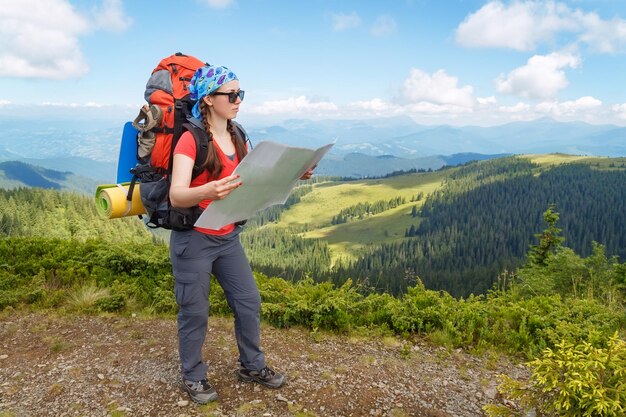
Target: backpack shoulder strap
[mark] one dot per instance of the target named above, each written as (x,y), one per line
(202,143)
(202,147)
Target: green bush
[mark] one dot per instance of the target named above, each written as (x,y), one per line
(570,380)
(111,303)
(47,273)
(164,301)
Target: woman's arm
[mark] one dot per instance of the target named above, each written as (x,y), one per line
(181,195)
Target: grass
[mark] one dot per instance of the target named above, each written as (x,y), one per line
(441,338)
(391,341)
(347,240)
(555,158)
(597,162)
(326,200)
(299,411)
(58,345)
(84,298)
(208,410)
(246,408)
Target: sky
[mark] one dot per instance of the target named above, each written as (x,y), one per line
(456,62)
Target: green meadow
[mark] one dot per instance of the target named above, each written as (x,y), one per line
(594,161)
(346,240)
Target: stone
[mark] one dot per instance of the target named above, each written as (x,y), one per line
(491,392)
(183,403)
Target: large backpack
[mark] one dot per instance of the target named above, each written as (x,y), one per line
(160,124)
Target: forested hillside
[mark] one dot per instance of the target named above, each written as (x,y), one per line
(463,234)
(64,215)
(479,225)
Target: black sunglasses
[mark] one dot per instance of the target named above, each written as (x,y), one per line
(232,96)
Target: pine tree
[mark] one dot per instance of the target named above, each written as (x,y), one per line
(549,241)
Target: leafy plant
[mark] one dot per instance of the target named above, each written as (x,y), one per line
(570,380)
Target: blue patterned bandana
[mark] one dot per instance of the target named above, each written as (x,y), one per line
(205,81)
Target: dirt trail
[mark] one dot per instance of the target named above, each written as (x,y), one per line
(120,366)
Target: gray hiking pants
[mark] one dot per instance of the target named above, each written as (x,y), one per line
(194,257)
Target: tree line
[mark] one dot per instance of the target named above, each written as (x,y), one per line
(360,210)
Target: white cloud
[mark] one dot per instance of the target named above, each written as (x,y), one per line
(379,107)
(40,38)
(4,102)
(94,105)
(62,104)
(424,107)
(603,36)
(219,4)
(294,105)
(111,17)
(440,88)
(383,26)
(343,21)
(520,25)
(569,108)
(620,110)
(523,25)
(376,105)
(486,112)
(517,108)
(542,76)
(485,101)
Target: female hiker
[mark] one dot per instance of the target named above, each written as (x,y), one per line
(197,253)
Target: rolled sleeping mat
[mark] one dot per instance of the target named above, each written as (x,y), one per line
(111,201)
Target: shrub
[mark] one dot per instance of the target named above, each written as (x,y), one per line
(164,301)
(570,380)
(112,303)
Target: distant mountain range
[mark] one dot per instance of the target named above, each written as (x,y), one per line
(358,165)
(14,174)
(404,138)
(362,147)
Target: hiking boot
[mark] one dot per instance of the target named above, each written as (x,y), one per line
(265,376)
(200,391)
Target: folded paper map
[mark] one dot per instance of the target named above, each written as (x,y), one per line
(268,174)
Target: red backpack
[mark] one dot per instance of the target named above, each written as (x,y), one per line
(167,89)
(160,124)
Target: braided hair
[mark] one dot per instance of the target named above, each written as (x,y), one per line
(213,163)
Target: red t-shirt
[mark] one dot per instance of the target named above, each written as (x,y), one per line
(187,146)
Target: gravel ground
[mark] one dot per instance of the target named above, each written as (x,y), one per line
(53,365)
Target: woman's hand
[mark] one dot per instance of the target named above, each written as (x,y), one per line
(219,189)
(307,175)
(182,195)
